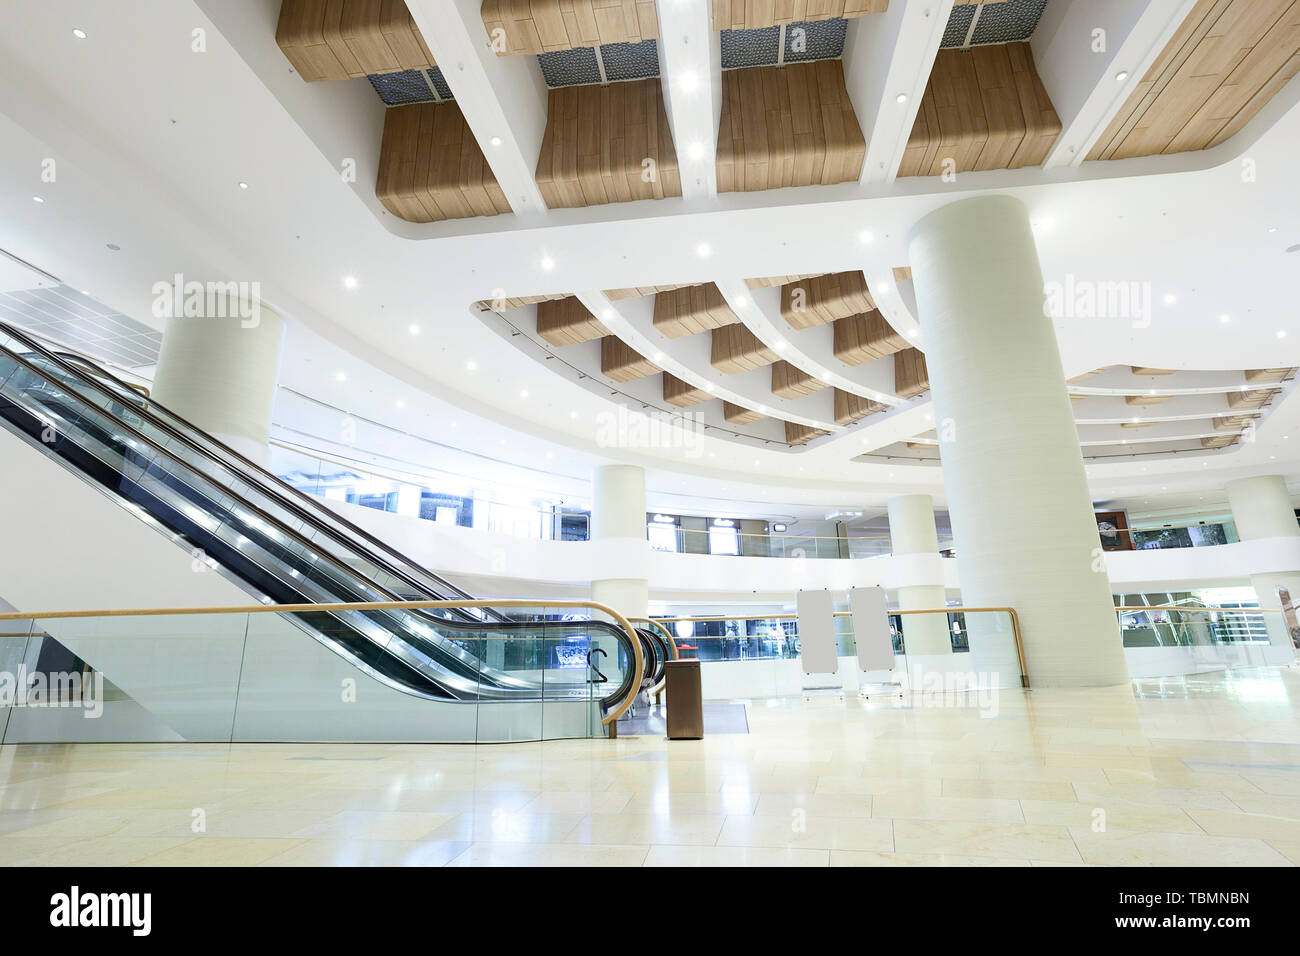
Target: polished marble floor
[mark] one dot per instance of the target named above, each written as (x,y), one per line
(1189,771)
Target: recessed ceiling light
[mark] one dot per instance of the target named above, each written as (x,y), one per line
(689,81)
(471,366)
(547,263)
(742,302)
(884,287)
(340,377)
(400,404)
(349,282)
(1225,318)
(1121,76)
(704,250)
(79,33)
(901,98)
(413,329)
(695,150)
(37,199)
(243,185)
(1170,298)
(1272,228)
(708,386)
(573,414)
(1281,333)
(495,141)
(523,393)
(865,237)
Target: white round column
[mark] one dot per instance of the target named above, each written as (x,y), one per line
(1262,508)
(912,533)
(619,532)
(1022,517)
(221,375)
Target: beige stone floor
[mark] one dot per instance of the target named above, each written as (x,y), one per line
(1189,771)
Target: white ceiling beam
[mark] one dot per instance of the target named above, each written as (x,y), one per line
(887,61)
(690,70)
(1091,55)
(503,98)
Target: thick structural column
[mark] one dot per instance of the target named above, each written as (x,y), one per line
(912,533)
(221,375)
(1021,512)
(618,528)
(1262,508)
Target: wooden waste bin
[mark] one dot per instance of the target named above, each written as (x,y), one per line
(685,700)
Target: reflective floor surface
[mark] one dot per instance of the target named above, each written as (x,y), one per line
(1190,771)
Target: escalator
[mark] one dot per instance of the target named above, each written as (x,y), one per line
(285,547)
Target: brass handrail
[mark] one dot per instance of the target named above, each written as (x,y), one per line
(1010,611)
(609,720)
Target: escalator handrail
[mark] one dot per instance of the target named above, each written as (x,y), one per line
(261,478)
(668,640)
(290,534)
(621,625)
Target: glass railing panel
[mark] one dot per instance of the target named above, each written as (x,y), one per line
(14,636)
(957,650)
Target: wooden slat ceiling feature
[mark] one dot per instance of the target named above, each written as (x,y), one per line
(342,39)
(756,14)
(1135,424)
(543,26)
(567,322)
(823,299)
(505,305)
(1254,375)
(1145,399)
(690,310)
(865,337)
(769,281)
(616,295)
(736,415)
(596,140)
(1232,423)
(621,362)
(910,374)
(1078,398)
(1142,370)
(902,273)
(1225,62)
(431,168)
(791,382)
(682,394)
(787,126)
(850,408)
(1219,441)
(801,434)
(1253,399)
(735,349)
(984,108)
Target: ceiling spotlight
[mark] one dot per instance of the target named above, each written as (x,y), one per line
(659,356)
(243,185)
(471,366)
(884,287)
(349,282)
(547,263)
(37,199)
(865,237)
(79,33)
(1225,318)
(1170,298)
(708,386)
(902,98)
(704,250)
(573,414)
(495,141)
(523,393)
(695,150)
(742,302)
(400,404)
(340,377)
(689,81)
(1272,228)
(1121,76)
(1281,333)
(413,329)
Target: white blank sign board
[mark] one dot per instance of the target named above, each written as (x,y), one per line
(817,647)
(871,629)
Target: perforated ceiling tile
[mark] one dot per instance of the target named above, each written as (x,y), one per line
(575,67)
(820,40)
(410,86)
(630,61)
(1008,22)
(79,322)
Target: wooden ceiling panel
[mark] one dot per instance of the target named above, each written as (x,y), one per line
(736,415)
(615,295)
(622,363)
(1143,370)
(866,337)
(1220,441)
(984,108)
(850,408)
(566,321)
(735,349)
(787,126)
(1145,399)
(682,394)
(1253,399)
(910,374)
(1232,423)
(431,168)
(757,14)
(1225,62)
(823,299)
(1256,375)
(801,434)
(769,281)
(504,305)
(596,141)
(791,382)
(543,26)
(342,39)
(690,310)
